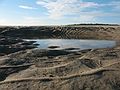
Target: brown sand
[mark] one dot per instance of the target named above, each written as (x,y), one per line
(40,69)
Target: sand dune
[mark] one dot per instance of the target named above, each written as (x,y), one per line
(44,69)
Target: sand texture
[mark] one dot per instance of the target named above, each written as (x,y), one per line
(44,69)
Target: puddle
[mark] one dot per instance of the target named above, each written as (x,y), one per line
(72,44)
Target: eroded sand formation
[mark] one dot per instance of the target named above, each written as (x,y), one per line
(42,69)
(86,32)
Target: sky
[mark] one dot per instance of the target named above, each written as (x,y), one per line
(58,12)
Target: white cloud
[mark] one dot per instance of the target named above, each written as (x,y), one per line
(59,8)
(26,7)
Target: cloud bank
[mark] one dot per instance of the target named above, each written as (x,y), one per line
(59,8)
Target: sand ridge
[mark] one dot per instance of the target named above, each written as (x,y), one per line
(44,69)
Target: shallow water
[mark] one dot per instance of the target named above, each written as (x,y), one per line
(73,43)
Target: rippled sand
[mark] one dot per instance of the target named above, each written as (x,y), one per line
(42,69)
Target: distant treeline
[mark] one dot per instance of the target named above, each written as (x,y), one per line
(94,24)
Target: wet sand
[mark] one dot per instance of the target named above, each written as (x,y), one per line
(43,69)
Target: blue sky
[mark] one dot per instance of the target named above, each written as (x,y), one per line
(58,12)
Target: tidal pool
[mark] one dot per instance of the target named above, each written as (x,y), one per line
(79,44)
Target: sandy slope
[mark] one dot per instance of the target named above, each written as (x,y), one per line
(81,32)
(40,69)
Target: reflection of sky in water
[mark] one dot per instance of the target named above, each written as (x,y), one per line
(72,43)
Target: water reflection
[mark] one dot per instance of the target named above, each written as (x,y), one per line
(73,43)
